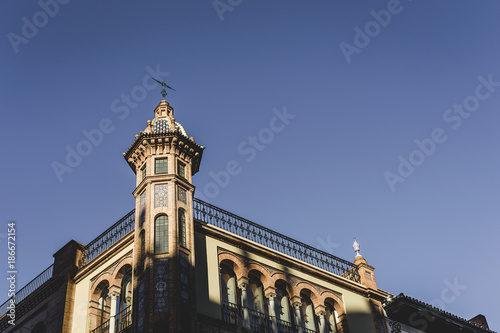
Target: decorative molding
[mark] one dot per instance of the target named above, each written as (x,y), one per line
(292,279)
(111,268)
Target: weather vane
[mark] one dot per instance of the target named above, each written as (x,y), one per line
(164,85)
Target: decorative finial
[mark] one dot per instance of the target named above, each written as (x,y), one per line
(356,247)
(164,85)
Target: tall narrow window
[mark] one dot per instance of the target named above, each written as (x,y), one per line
(161,165)
(161,234)
(181,169)
(143,251)
(143,171)
(182,228)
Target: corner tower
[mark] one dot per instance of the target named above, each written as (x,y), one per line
(164,160)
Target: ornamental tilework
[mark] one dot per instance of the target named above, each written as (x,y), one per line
(181,195)
(161,125)
(160,284)
(184,263)
(161,195)
(142,208)
(140,306)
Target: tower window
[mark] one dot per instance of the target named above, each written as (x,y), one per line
(182,228)
(143,171)
(181,169)
(161,234)
(161,165)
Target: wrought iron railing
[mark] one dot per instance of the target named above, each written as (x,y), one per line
(259,322)
(285,327)
(103,328)
(27,289)
(218,217)
(108,237)
(231,313)
(123,319)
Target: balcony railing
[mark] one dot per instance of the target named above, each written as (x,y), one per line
(123,319)
(285,327)
(27,289)
(235,224)
(103,328)
(258,322)
(231,314)
(108,237)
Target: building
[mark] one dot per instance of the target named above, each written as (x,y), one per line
(178,264)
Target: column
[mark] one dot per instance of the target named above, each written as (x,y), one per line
(298,316)
(272,311)
(244,303)
(112,312)
(322,321)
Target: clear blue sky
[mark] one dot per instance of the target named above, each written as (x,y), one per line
(360,101)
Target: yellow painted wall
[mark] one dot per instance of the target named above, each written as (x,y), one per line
(357,307)
(83,288)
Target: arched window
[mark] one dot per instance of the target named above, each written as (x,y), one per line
(104,306)
(124,302)
(282,306)
(161,234)
(228,285)
(332,318)
(229,295)
(308,316)
(182,228)
(39,328)
(255,292)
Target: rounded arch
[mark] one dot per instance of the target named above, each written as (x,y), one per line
(282,304)
(334,315)
(310,291)
(309,319)
(235,263)
(261,272)
(123,268)
(100,304)
(99,285)
(333,299)
(284,283)
(228,280)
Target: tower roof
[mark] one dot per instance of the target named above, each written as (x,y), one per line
(164,120)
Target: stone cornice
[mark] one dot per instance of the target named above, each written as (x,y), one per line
(144,142)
